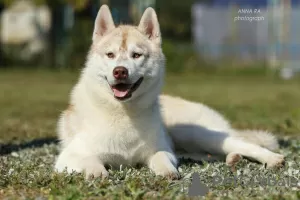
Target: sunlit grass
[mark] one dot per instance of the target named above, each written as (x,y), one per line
(31,102)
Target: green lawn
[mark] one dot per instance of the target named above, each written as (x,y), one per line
(31,101)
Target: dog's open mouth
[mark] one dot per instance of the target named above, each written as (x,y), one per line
(123,91)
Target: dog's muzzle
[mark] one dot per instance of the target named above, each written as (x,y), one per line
(123,91)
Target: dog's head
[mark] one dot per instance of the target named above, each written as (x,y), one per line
(126,61)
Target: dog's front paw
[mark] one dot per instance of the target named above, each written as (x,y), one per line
(163,164)
(277,160)
(91,166)
(168,172)
(96,170)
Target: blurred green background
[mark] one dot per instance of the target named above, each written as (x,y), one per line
(35,86)
(63,33)
(69,37)
(37,74)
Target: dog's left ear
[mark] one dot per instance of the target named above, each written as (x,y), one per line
(149,25)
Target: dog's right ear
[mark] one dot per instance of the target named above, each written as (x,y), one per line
(103,23)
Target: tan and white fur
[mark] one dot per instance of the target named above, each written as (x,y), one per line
(110,126)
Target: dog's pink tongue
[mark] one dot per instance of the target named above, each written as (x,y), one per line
(120,93)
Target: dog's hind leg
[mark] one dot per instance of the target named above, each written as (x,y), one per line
(232,144)
(196,139)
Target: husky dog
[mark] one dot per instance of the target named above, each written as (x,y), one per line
(117,116)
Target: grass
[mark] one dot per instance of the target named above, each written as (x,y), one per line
(31,101)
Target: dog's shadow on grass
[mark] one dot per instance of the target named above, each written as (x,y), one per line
(10,147)
(283,143)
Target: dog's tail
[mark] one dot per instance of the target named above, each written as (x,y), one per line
(261,138)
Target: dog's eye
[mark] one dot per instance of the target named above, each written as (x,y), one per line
(136,55)
(110,55)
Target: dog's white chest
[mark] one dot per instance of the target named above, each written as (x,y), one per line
(122,142)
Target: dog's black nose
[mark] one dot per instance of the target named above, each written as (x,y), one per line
(120,73)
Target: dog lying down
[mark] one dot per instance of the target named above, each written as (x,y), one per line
(118,117)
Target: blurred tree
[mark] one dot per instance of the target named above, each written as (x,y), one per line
(78,4)
(2,61)
(56,33)
(58,11)
(175,17)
